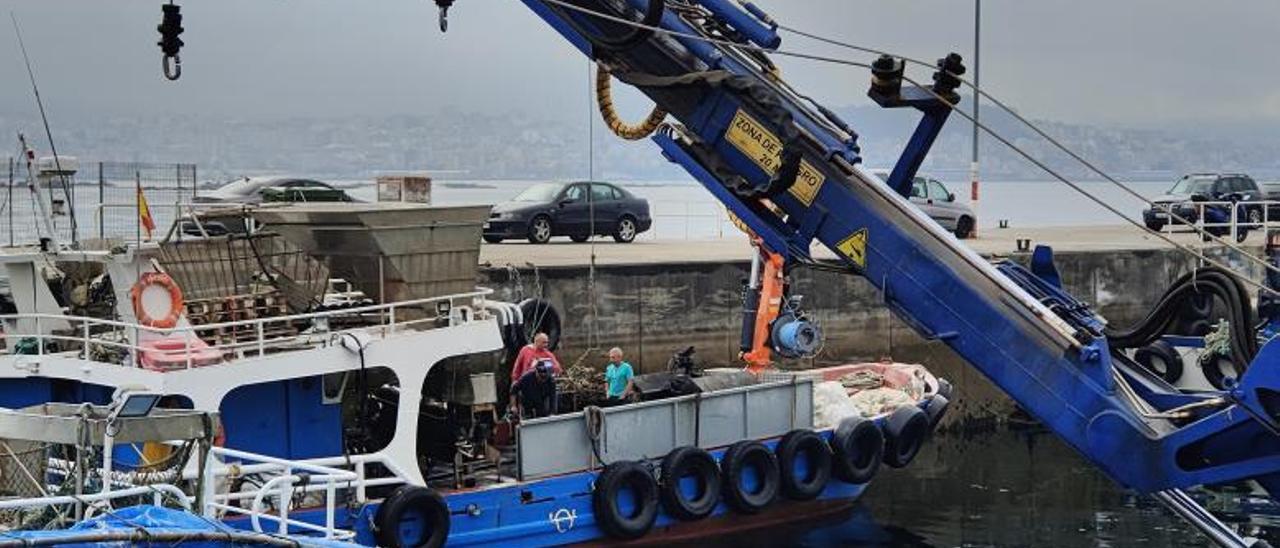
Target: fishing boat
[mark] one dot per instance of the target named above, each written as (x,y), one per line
(379,421)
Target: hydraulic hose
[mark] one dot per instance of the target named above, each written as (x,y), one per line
(1212,281)
(634,35)
(630,132)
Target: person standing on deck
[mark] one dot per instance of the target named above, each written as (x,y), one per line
(537,350)
(617,378)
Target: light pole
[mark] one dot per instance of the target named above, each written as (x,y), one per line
(977,71)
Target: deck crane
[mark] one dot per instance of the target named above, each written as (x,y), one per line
(790,171)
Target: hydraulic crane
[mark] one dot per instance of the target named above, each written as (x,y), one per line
(790,171)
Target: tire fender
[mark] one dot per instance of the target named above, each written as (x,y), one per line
(604,500)
(804,464)
(408,499)
(904,432)
(858,445)
(1164,353)
(683,462)
(749,457)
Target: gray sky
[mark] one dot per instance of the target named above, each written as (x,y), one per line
(1130,62)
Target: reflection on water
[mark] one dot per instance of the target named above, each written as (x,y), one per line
(1000,489)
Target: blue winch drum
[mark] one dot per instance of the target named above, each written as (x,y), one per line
(795,338)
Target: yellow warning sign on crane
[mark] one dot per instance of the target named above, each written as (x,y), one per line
(855,247)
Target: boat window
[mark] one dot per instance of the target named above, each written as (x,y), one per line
(541,192)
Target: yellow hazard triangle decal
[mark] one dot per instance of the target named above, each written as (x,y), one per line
(855,247)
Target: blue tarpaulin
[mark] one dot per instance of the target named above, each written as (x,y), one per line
(154,526)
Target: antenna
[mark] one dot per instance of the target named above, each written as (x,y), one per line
(66,187)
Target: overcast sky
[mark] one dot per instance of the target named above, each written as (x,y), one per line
(1129,62)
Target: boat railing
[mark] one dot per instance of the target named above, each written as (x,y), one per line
(287,479)
(133,344)
(1239,220)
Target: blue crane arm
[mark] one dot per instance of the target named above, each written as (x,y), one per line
(790,170)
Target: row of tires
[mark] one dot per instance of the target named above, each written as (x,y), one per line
(1164,360)
(690,483)
(749,476)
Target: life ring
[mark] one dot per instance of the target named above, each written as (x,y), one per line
(858,446)
(904,433)
(162,280)
(690,488)
(751,479)
(1162,359)
(426,505)
(614,482)
(935,409)
(804,460)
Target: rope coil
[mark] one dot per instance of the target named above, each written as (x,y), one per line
(604,99)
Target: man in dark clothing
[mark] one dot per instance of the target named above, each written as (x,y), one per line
(535,392)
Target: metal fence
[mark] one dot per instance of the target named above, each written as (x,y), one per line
(98,201)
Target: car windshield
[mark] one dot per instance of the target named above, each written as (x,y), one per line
(1189,185)
(541,192)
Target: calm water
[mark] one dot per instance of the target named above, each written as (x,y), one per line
(996,489)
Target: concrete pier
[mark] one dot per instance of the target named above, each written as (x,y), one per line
(654,298)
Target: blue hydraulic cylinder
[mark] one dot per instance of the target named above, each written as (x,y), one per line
(749,25)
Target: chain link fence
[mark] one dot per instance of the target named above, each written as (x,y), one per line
(98,201)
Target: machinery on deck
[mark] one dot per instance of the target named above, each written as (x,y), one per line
(790,171)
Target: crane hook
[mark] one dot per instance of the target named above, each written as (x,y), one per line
(444,13)
(172,66)
(170,27)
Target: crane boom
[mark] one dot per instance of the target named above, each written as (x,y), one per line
(791,171)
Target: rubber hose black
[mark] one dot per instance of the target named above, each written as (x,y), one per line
(1212,281)
(652,18)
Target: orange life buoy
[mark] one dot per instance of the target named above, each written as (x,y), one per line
(175,300)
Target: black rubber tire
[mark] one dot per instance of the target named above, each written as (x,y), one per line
(904,433)
(964,227)
(1216,369)
(858,445)
(1155,225)
(536,234)
(734,463)
(604,500)
(683,462)
(412,498)
(936,409)
(1161,358)
(579,238)
(621,235)
(540,316)
(492,239)
(811,446)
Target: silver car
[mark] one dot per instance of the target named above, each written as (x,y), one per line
(933,198)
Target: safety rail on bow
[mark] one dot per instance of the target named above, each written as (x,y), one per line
(110,341)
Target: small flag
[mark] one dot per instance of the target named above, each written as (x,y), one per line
(144,214)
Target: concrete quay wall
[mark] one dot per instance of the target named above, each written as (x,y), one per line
(652,310)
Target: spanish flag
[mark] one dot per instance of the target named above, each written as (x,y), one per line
(144,214)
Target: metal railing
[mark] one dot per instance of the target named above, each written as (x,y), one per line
(1235,227)
(97,333)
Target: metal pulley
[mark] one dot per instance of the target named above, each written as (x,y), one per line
(170,27)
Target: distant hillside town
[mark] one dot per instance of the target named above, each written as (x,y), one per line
(521,145)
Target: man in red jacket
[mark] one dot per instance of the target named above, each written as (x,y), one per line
(531,354)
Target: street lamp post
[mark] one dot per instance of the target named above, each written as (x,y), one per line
(977,56)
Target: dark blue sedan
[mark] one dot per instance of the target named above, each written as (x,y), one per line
(578,210)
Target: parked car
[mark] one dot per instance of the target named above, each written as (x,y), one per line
(933,198)
(255,190)
(1209,187)
(545,210)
